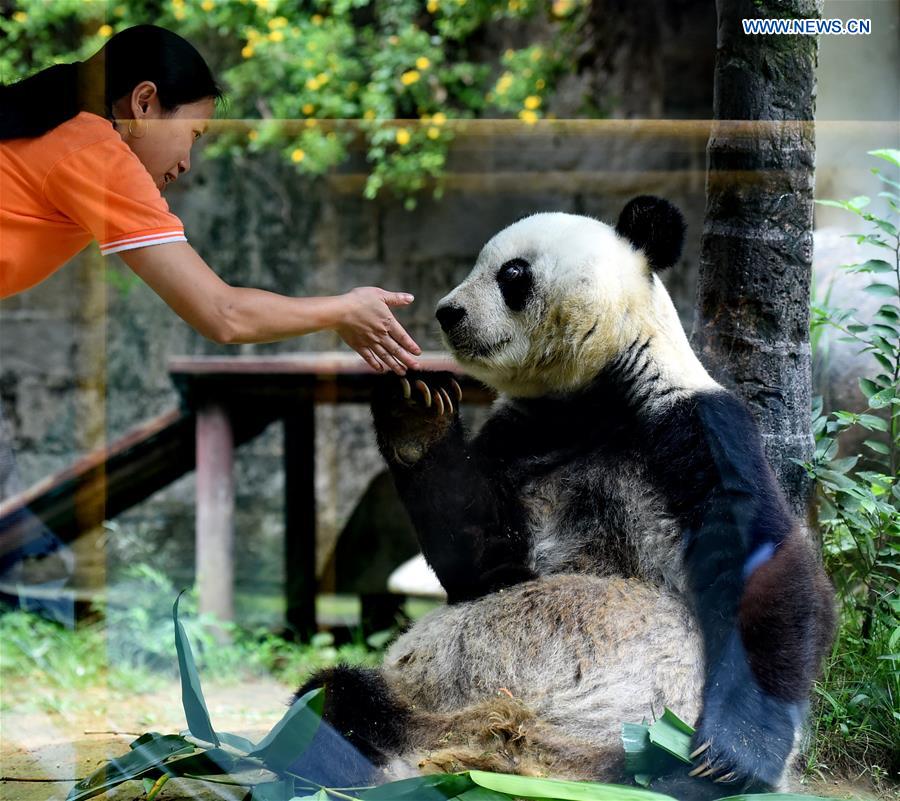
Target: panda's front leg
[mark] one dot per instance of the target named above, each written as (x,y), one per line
(760,668)
(451,494)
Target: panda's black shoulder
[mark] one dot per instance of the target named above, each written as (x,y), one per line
(709,441)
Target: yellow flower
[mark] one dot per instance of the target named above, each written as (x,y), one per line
(322,78)
(178,13)
(425,117)
(297,156)
(422,63)
(276,36)
(528,116)
(253,135)
(432,6)
(504,82)
(439,118)
(540,83)
(536,54)
(312,84)
(311,123)
(561,7)
(532,102)
(433,133)
(277,22)
(316,19)
(308,108)
(20,17)
(247,51)
(513,5)
(368,114)
(105,30)
(207,5)
(409,77)
(253,35)
(402,136)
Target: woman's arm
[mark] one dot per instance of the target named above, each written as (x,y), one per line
(233,315)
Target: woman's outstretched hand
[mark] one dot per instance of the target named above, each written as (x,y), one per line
(369,327)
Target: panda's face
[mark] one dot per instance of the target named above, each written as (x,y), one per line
(548,303)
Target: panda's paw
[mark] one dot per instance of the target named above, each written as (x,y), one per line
(745,735)
(414,412)
(747,745)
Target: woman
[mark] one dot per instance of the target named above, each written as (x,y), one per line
(86,150)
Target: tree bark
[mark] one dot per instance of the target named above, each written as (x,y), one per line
(752,324)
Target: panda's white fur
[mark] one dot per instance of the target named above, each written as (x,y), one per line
(597,296)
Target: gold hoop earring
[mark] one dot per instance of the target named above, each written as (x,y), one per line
(133,130)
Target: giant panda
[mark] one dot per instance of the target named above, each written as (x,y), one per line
(611,541)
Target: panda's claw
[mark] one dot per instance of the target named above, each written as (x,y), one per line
(457,389)
(439,402)
(726,778)
(447,402)
(407,389)
(699,770)
(701,749)
(426,393)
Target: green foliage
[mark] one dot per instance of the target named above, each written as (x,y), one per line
(858,719)
(309,78)
(130,649)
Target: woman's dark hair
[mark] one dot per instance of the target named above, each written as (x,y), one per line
(143,53)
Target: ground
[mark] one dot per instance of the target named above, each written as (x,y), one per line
(84,728)
(74,740)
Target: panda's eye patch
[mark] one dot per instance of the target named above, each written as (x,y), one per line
(515,281)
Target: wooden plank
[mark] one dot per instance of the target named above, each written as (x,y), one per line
(143,461)
(319,365)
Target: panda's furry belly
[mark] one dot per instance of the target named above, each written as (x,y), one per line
(601,519)
(551,668)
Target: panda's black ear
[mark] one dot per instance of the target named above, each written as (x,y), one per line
(654,226)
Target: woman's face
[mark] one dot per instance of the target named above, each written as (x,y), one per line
(161,140)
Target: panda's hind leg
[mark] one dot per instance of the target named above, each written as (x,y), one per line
(363,726)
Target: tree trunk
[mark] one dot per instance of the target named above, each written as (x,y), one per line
(752,324)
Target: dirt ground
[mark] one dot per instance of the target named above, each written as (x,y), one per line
(66,745)
(43,753)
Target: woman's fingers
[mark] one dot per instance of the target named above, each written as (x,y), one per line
(371,359)
(388,359)
(408,349)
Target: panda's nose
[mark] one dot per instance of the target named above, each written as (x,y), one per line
(449,316)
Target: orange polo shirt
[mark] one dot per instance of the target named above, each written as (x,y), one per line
(76,183)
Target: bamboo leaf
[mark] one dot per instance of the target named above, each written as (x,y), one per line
(436,787)
(532,787)
(144,757)
(672,735)
(195,710)
(291,736)
(481,794)
(236,741)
